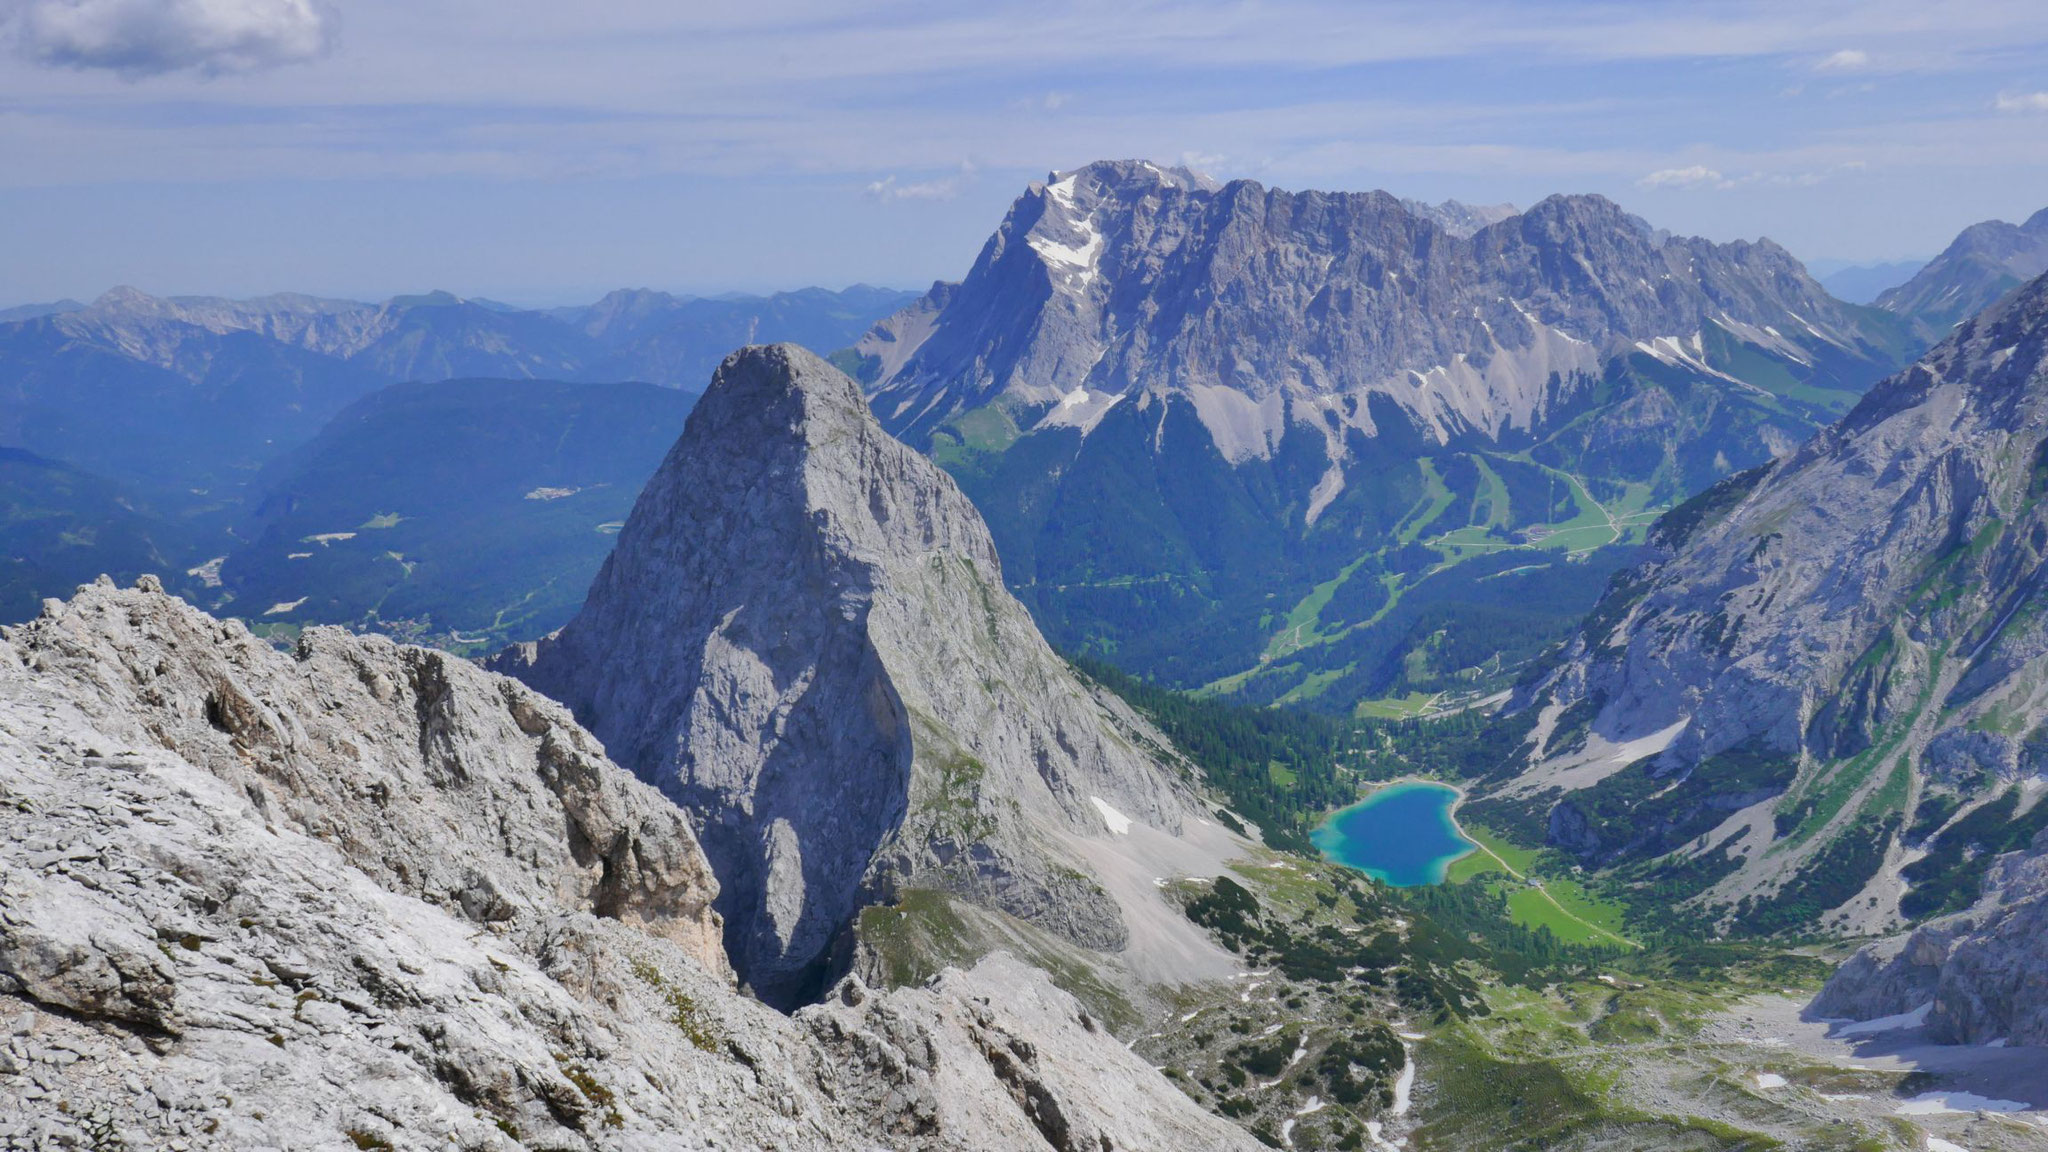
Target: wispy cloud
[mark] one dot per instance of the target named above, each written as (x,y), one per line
(942,188)
(137,38)
(1846,60)
(2022,102)
(1693,176)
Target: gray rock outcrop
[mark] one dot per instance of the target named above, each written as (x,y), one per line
(361,895)
(1984,971)
(803,638)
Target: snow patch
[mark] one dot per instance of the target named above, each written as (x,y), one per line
(1769,1080)
(1937,1103)
(1914,1019)
(1075,261)
(1937,1144)
(283,606)
(1117,822)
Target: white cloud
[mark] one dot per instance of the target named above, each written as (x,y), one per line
(1847,60)
(2023,101)
(137,38)
(1696,176)
(943,188)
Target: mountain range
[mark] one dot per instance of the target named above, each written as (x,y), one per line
(782,822)
(185,429)
(1320,447)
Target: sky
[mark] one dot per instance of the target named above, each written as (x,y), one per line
(544,153)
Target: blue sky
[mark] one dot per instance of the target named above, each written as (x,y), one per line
(547,152)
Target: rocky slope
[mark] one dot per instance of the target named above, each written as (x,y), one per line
(1980,973)
(363,895)
(803,638)
(1984,262)
(1827,688)
(1229,429)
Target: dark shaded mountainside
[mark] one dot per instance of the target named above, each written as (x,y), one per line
(175,420)
(1984,262)
(1819,706)
(1320,447)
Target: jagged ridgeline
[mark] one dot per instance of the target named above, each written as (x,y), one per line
(1326,447)
(803,638)
(1819,706)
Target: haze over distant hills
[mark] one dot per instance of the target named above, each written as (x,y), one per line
(184,429)
(1322,447)
(1863,283)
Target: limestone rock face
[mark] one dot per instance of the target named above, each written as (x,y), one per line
(435,779)
(1184,407)
(361,895)
(1985,970)
(803,638)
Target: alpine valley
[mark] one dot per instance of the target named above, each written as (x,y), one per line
(869,720)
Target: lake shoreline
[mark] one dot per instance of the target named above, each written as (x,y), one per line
(1398,847)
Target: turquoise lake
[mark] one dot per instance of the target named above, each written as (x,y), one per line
(1402,835)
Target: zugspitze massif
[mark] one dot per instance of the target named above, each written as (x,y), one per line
(659,578)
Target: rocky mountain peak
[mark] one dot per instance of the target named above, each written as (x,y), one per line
(1985,261)
(803,638)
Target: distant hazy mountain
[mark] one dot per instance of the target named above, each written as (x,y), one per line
(183,400)
(1984,263)
(184,413)
(61,527)
(654,336)
(31,311)
(1317,445)
(1864,283)
(1458,218)
(1825,696)
(473,512)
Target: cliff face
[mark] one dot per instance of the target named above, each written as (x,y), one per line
(1847,648)
(803,639)
(368,895)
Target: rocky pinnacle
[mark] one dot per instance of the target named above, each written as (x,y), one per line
(803,638)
